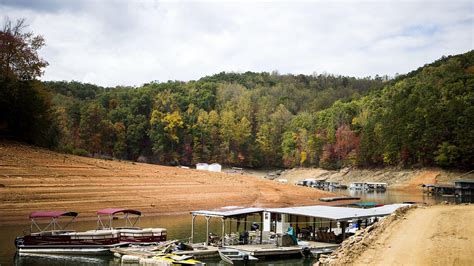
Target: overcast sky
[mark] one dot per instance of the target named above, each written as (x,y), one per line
(133,42)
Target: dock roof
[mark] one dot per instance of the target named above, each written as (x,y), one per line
(338,213)
(317,211)
(229,211)
(444,185)
(464,181)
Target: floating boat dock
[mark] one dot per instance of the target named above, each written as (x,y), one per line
(329,199)
(318,237)
(202,252)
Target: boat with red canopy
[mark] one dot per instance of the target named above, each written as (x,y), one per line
(54,238)
(129,231)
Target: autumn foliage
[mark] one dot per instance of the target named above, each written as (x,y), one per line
(423,118)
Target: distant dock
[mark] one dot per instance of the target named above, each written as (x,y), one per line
(329,199)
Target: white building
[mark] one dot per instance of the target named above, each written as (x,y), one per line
(215,167)
(202,166)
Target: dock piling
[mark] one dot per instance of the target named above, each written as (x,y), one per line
(207,230)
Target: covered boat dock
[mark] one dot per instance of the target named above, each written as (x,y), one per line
(271,240)
(320,222)
(321,219)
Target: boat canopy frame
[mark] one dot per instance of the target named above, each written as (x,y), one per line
(229,212)
(113,213)
(54,217)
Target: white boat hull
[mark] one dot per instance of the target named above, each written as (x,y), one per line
(237,257)
(52,250)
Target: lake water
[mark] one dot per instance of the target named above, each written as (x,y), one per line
(179,227)
(394,196)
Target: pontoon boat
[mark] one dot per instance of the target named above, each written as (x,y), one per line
(55,239)
(129,233)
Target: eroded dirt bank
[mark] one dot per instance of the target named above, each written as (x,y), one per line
(36,179)
(434,235)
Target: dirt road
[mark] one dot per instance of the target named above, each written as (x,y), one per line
(437,235)
(36,179)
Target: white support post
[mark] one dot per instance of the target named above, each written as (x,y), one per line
(207,230)
(223,231)
(192,229)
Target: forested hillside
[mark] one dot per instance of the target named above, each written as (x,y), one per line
(249,119)
(267,119)
(237,119)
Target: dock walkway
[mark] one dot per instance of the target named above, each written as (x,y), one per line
(272,250)
(150,251)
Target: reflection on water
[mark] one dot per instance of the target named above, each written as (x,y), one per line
(393,196)
(111,261)
(64,260)
(179,227)
(389,196)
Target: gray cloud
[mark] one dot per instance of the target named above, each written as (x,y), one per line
(133,42)
(48,6)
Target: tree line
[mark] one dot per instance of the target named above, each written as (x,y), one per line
(251,119)
(236,119)
(423,118)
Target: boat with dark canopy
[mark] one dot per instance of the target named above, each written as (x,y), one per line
(129,232)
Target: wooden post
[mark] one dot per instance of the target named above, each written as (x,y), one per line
(314,228)
(261,227)
(245,223)
(330,226)
(296,226)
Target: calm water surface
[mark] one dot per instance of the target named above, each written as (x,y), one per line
(179,227)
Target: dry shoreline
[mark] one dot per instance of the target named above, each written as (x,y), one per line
(437,235)
(427,235)
(32,179)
